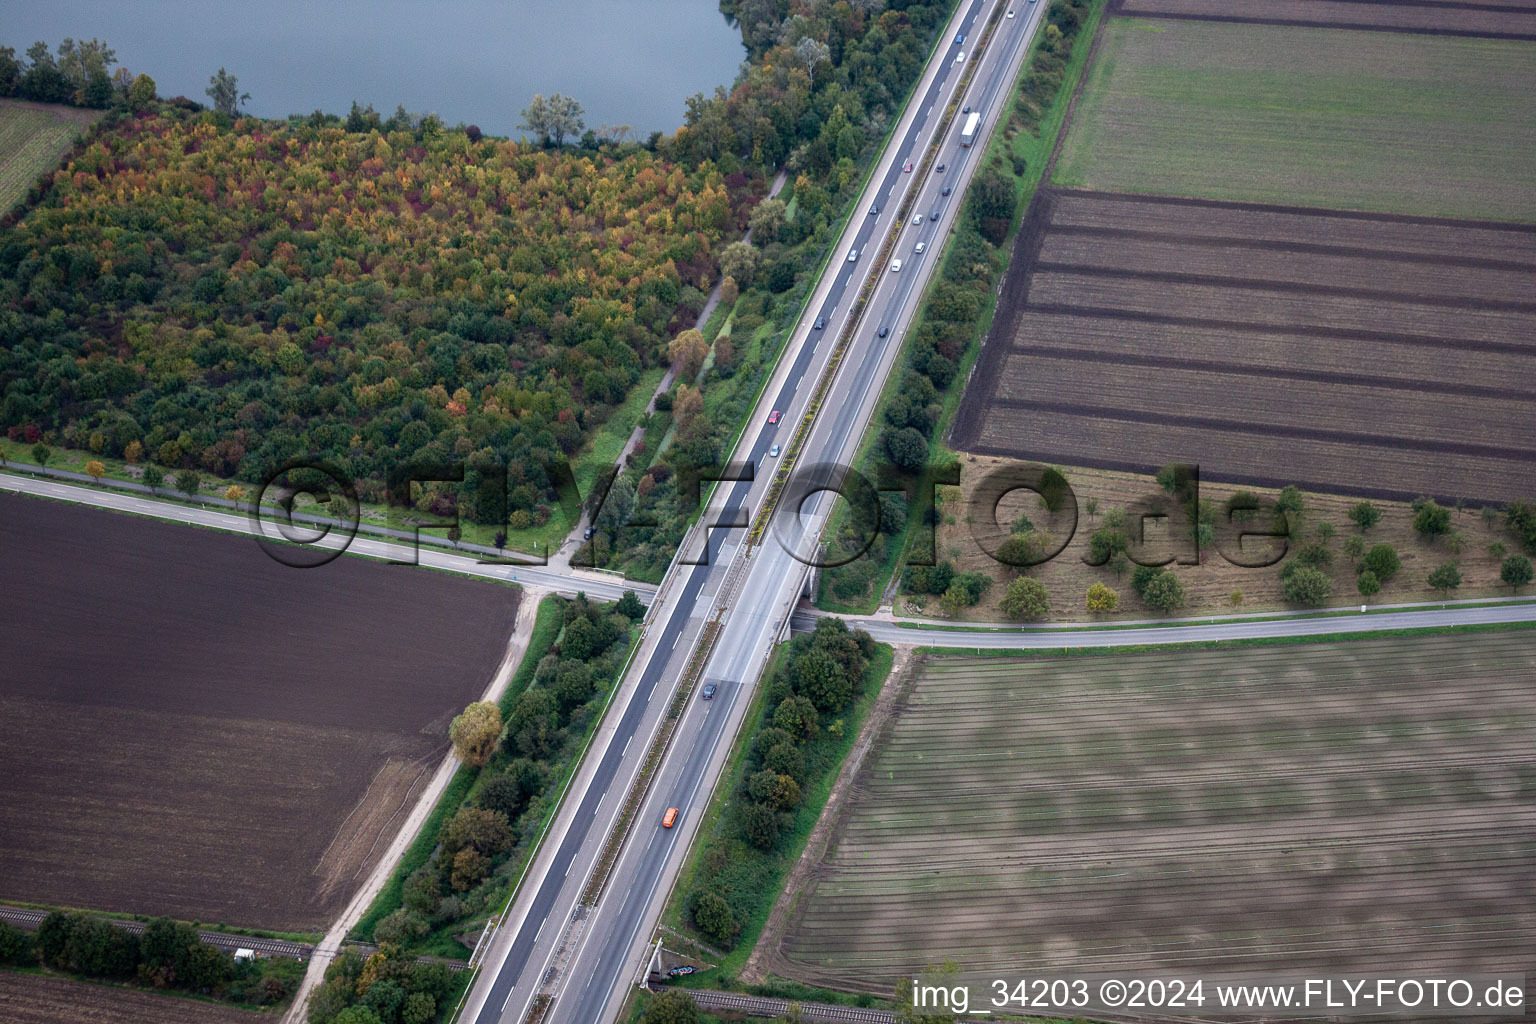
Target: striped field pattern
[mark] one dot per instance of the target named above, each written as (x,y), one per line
(1349,806)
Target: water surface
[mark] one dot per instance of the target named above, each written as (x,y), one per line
(629,62)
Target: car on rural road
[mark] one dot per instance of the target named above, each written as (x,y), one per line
(959,38)
(820,323)
(1010,13)
(773,452)
(939,169)
(670,818)
(895,266)
(947,191)
(773,418)
(874,210)
(960,57)
(920,246)
(709,691)
(908,168)
(917,219)
(884,331)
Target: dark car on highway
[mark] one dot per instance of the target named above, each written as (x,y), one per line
(709,691)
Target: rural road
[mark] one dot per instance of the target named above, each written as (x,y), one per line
(1185,631)
(597,585)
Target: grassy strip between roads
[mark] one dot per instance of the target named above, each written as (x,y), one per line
(546,628)
(825,754)
(1219,645)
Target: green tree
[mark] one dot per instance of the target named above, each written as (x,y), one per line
(16,947)
(1516,571)
(552,118)
(1432,520)
(618,506)
(153,478)
(356,1015)
(1354,547)
(739,261)
(224,90)
(629,606)
(674,1006)
(965,591)
(777,791)
(1365,515)
(1026,598)
(141,93)
(468,868)
(189,482)
(1307,585)
(420,1008)
(767,220)
(1368,584)
(476,732)
(1445,578)
(822,679)
(796,716)
(41,453)
(762,825)
(1383,561)
(907,448)
(1164,593)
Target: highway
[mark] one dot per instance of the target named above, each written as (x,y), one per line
(583,958)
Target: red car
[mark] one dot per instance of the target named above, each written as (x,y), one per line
(908,169)
(773,418)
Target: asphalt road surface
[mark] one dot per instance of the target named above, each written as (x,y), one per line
(588,958)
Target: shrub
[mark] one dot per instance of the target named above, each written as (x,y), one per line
(1101,599)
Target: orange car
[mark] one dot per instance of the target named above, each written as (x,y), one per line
(670,818)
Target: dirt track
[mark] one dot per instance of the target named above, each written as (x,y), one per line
(196,730)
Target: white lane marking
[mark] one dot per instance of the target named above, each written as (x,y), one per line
(624,751)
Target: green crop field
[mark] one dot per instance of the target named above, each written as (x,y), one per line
(1388,122)
(1353,806)
(32,137)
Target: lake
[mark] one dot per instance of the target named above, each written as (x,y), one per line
(629,62)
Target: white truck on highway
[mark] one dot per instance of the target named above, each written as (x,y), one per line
(968,133)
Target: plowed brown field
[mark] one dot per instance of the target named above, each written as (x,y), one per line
(1352,353)
(36,999)
(1512,18)
(192,729)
